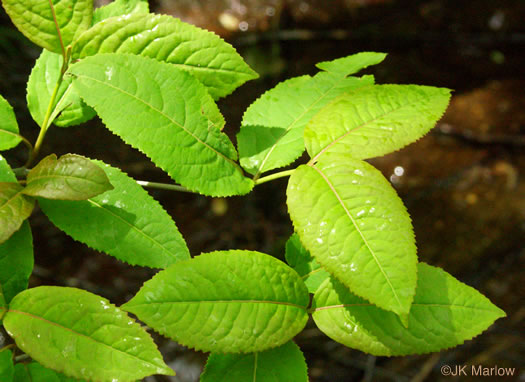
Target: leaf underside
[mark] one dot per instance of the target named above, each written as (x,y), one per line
(445,313)
(15,207)
(227,302)
(353,223)
(165,113)
(9,137)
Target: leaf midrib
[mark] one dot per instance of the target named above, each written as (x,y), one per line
(223,302)
(413,304)
(40,177)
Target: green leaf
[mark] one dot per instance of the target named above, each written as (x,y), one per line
(40,87)
(7,368)
(285,363)
(165,113)
(304,264)
(119,8)
(6,174)
(81,335)
(34,372)
(206,56)
(271,134)
(3,307)
(35,19)
(375,120)
(126,223)
(353,223)
(71,177)
(9,136)
(444,314)
(227,302)
(15,207)
(16,262)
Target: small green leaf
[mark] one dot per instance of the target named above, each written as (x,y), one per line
(3,307)
(81,335)
(304,264)
(285,363)
(70,177)
(271,134)
(9,136)
(34,372)
(16,262)
(206,56)
(444,314)
(120,8)
(15,207)
(165,113)
(353,223)
(40,87)
(227,302)
(126,223)
(375,120)
(7,368)
(36,20)
(6,174)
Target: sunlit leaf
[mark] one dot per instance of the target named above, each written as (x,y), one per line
(445,313)
(81,335)
(15,207)
(9,136)
(119,8)
(227,302)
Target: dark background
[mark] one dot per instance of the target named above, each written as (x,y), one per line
(463,184)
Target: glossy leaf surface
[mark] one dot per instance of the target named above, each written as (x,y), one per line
(7,368)
(9,137)
(300,259)
(16,262)
(34,372)
(81,335)
(167,114)
(119,8)
(271,134)
(35,19)
(375,120)
(228,302)
(69,107)
(444,314)
(126,223)
(15,207)
(284,363)
(353,223)
(206,56)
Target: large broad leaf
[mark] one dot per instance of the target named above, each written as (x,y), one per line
(352,221)
(7,368)
(375,120)
(16,262)
(36,20)
(34,372)
(203,54)
(40,87)
(9,136)
(300,259)
(15,207)
(119,8)
(167,114)
(285,363)
(126,223)
(227,302)
(444,314)
(70,177)
(81,335)
(271,134)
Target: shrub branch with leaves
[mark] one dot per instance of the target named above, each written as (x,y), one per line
(153,81)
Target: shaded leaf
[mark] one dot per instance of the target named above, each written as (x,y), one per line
(16,262)
(444,314)
(3,309)
(35,19)
(7,368)
(206,56)
(285,363)
(271,134)
(228,302)
(34,372)
(81,335)
(15,207)
(375,120)
(69,107)
(353,223)
(9,136)
(300,259)
(126,223)
(70,177)
(119,8)
(165,113)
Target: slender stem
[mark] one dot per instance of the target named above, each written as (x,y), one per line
(7,347)
(22,357)
(163,186)
(58,29)
(277,175)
